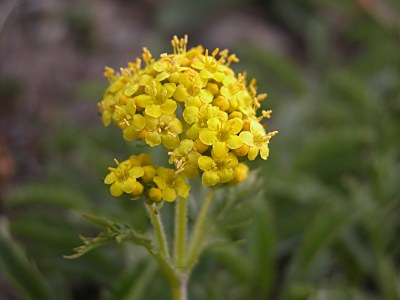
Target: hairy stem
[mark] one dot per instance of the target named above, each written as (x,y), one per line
(197,236)
(180,232)
(159,230)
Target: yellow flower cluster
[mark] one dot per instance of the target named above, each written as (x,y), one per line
(137,176)
(192,103)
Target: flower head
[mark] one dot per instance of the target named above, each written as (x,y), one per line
(192,103)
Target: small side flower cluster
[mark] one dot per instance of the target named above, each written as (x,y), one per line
(137,175)
(192,103)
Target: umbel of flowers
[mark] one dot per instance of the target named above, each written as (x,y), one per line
(192,103)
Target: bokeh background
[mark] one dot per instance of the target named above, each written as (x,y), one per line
(319,219)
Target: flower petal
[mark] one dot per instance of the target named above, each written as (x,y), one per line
(130,134)
(193,132)
(193,101)
(180,93)
(257,129)
(162,76)
(154,110)
(247,138)
(128,185)
(190,114)
(235,125)
(153,139)
(151,123)
(170,88)
(110,178)
(264,151)
(225,92)
(136,172)
(206,74)
(130,89)
(115,189)
(214,123)
(143,100)
(220,149)
(175,126)
(138,122)
(183,189)
(234,142)
(169,141)
(208,136)
(198,65)
(205,96)
(253,152)
(218,76)
(169,194)
(160,182)
(168,107)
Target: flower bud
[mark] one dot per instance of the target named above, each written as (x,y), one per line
(155,194)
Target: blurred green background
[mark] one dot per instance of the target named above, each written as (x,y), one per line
(319,219)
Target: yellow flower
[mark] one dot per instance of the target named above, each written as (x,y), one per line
(199,116)
(136,124)
(144,160)
(164,129)
(217,169)
(123,178)
(157,100)
(257,140)
(209,67)
(169,68)
(222,135)
(192,89)
(185,158)
(171,184)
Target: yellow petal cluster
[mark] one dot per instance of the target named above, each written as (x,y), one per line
(192,103)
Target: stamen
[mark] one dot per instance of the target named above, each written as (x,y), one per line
(171,133)
(215,52)
(126,122)
(179,170)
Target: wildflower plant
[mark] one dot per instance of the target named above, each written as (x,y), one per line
(194,105)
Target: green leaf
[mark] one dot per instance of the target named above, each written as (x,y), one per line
(116,232)
(132,285)
(262,242)
(328,223)
(113,232)
(20,271)
(49,194)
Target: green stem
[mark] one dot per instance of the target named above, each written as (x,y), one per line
(179,291)
(180,232)
(159,230)
(195,245)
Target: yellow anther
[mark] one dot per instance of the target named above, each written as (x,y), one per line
(267,113)
(146,55)
(108,72)
(215,52)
